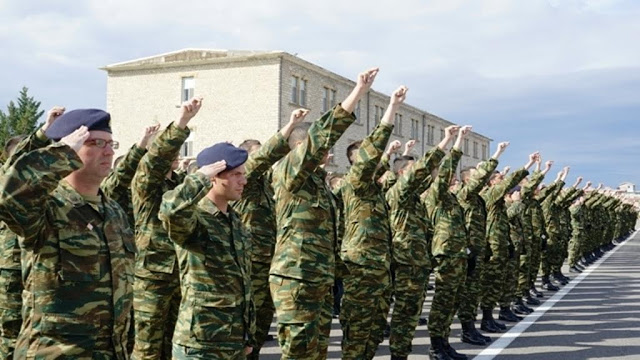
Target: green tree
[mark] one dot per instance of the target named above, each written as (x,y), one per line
(21,118)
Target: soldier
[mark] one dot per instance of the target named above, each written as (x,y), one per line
(10,274)
(578,223)
(499,250)
(157,286)
(366,245)
(256,209)
(411,244)
(77,245)
(473,180)
(539,233)
(449,251)
(217,315)
(304,257)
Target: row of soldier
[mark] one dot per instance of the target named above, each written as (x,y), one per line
(148,262)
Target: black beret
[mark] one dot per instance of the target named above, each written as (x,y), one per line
(234,156)
(515,188)
(69,122)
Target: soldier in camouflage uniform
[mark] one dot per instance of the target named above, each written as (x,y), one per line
(303,263)
(366,245)
(411,244)
(217,315)
(449,251)
(77,246)
(564,201)
(498,241)
(473,180)
(157,286)
(256,209)
(10,273)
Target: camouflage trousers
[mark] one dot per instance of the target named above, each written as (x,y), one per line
(575,249)
(534,263)
(10,310)
(180,352)
(450,274)
(493,276)
(468,296)
(510,279)
(524,269)
(155,305)
(409,293)
(263,303)
(552,256)
(304,317)
(365,306)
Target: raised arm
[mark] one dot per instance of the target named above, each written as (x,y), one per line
(440,186)
(302,161)
(179,208)
(498,191)
(384,165)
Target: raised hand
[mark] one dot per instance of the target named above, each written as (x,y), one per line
(399,96)
(366,79)
(393,147)
(76,139)
(188,110)
(297,116)
(214,169)
(52,116)
(408,146)
(148,133)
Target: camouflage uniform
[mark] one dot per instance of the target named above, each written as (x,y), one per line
(540,230)
(78,255)
(303,265)
(578,222)
(117,186)
(411,247)
(476,221)
(529,236)
(217,315)
(256,209)
(551,209)
(449,246)
(10,274)
(157,286)
(497,237)
(366,251)
(515,211)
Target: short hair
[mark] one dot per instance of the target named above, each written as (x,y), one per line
(352,148)
(465,173)
(248,144)
(401,162)
(299,133)
(11,144)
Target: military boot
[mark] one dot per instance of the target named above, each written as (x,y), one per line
(557,277)
(437,350)
(451,351)
(488,324)
(532,301)
(520,308)
(575,270)
(506,314)
(548,285)
(393,357)
(469,334)
(535,292)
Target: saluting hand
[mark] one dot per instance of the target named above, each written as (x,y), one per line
(76,139)
(394,146)
(214,169)
(148,133)
(52,116)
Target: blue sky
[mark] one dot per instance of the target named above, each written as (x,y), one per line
(559,76)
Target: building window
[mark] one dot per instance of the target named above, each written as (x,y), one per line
(475,149)
(328,99)
(415,132)
(188,86)
(466,146)
(484,152)
(431,129)
(303,92)
(441,134)
(294,89)
(378,113)
(397,124)
(358,112)
(187,148)
(333,95)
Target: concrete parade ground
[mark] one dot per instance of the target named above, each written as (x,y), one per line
(595,316)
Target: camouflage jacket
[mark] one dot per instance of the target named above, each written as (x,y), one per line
(447,216)
(157,256)
(214,255)
(551,208)
(527,198)
(79,252)
(578,220)
(537,214)
(515,211)
(256,208)
(9,245)
(474,207)
(497,219)
(367,237)
(305,208)
(117,185)
(407,214)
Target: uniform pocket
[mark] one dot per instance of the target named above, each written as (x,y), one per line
(162,262)
(214,316)
(79,255)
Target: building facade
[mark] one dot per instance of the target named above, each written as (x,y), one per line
(251,95)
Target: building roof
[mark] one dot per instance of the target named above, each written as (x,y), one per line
(196,57)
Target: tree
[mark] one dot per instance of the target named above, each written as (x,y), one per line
(20,119)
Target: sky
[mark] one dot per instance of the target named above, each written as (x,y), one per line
(558,76)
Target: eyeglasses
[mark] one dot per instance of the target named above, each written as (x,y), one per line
(101,143)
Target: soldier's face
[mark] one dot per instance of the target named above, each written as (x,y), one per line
(230,184)
(96,161)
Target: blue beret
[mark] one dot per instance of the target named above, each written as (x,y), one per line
(69,122)
(515,188)
(234,156)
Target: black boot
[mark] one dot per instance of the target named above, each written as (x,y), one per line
(507,315)
(535,292)
(520,308)
(437,350)
(387,331)
(423,321)
(488,324)
(557,277)
(532,301)
(547,285)
(575,270)
(398,357)
(469,334)
(451,351)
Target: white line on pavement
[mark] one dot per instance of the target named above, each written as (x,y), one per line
(503,342)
